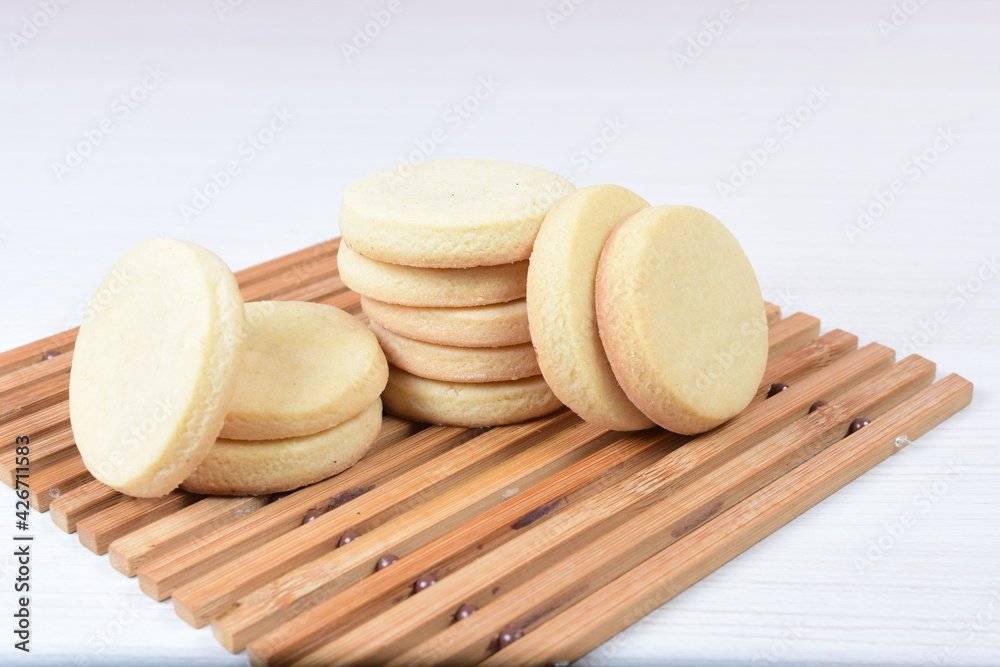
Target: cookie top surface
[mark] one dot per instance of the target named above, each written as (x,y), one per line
(426,287)
(308,367)
(449,213)
(561,311)
(155,365)
(681,317)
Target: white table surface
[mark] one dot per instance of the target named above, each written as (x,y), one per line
(198,80)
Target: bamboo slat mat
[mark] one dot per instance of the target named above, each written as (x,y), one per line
(523,544)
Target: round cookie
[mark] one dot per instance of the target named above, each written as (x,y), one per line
(308,367)
(495,325)
(155,366)
(469,405)
(449,213)
(448,288)
(681,317)
(561,305)
(256,467)
(457,364)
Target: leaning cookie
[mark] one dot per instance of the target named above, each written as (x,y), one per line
(308,367)
(681,317)
(471,405)
(248,467)
(561,311)
(411,286)
(494,325)
(457,364)
(155,366)
(449,213)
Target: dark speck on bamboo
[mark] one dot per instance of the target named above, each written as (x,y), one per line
(465,611)
(858,424)
(51,354)
(385,561)
(776,388)
(424,582)
(508,636)
(347,496)
(816,406)
(349,536)
(311,516)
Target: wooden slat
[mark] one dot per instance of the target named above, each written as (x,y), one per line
(54,444)
(33,424)
(289,263)
(205,517)
(161,576)
(128,552)
(791,332)
(28,375)
(672,499)
(90,497)
(772,312)
(494,527)
(32,353)
(203,599)
(100,529)
(601,614)
(617,551)
(55,479)
(750,427)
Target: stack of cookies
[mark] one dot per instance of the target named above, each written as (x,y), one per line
(439,256)
(306,404)
(176,382)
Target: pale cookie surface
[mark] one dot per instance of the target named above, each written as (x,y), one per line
(155,366)
(457,364)
(449,213)
(473,326)
(681,317)
(410,286)
(255,467)
(308,367)
(469,405)
(561,310)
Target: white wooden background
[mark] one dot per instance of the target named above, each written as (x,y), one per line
(114,115)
